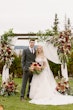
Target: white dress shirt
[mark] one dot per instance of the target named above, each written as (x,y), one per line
(32,50)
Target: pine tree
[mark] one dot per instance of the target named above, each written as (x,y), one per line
(55,27)
(68,24)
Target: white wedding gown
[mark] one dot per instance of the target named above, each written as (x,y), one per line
(43,88)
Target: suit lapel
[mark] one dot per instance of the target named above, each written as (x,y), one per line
(30,50)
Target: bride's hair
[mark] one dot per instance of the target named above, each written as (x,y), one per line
(37,51)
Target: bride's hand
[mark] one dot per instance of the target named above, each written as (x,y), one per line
(31,68)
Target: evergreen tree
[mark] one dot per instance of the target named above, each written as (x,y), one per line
(55,27)
(68,24)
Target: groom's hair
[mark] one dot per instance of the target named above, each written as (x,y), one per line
(32,39)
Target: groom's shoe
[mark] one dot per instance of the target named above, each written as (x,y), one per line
(21,98)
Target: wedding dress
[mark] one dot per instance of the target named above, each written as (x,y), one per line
(43,88)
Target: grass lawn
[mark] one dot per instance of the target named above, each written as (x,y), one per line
(14,103)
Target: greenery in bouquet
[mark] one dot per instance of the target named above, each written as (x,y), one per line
(35,68)
(64,44)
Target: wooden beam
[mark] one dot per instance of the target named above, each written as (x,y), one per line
(27,34)
(25,38)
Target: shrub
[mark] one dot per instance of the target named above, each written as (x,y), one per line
(16,67)
(55,68)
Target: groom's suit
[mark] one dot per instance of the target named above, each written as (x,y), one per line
(27,58)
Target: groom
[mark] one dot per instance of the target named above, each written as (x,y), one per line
(28,57)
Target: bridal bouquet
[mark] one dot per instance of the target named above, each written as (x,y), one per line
(35,68)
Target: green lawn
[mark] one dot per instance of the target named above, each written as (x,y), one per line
(14,103)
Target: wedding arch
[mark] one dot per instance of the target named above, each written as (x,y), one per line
(56,48)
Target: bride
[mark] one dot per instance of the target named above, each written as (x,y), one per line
(43,86)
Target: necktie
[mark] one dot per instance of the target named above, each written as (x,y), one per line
(31,50)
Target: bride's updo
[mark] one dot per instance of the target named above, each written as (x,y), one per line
(39,51)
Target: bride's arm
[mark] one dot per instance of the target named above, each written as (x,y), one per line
(44,64)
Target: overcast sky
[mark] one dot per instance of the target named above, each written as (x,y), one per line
(33,15)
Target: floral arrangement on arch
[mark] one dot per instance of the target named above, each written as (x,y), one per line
(63,86)
(8,88)
(6,54)
(35,68)
(64,44)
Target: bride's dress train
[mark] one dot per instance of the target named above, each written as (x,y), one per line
(43,90)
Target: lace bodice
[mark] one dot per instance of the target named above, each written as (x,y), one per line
(40,60)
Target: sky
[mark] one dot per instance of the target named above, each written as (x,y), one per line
(33,15)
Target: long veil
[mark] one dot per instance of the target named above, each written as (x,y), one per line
(51,80)
(50,53)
